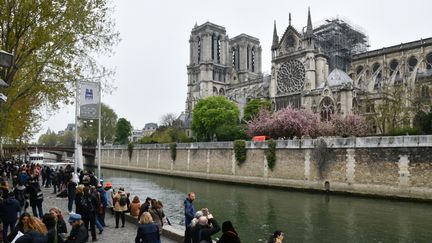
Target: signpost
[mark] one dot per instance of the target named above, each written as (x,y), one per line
(88,106)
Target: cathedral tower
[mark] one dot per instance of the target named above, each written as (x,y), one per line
(208,69)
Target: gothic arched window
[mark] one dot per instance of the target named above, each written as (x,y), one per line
(359,69)
(238,58)
(327,109)
(199,49)
(412,63)
(429,61)
(393,66)
(253,59)
(215,91)
(213,47)
(290,41)
(218,49)
(247,57)
(234,57)
(221,91)
(375,67)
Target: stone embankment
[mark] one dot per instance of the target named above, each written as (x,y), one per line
(110,234)
(380,166)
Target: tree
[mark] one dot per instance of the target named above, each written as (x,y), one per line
(89,128)
(211,113)
(423,121)
(290,122)
(53,45)
(67,138)
(49,139)
(169,119)
(253,107)
(391,110)
(109,120)
(123,131)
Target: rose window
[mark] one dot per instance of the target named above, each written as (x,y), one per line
(291,77)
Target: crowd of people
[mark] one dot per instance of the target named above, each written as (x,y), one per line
(92,200)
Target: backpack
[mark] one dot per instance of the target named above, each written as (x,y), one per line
(87,205)
(123,200)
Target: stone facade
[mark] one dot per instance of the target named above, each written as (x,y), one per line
(381,166)
(326,69)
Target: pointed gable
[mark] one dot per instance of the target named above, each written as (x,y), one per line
(291,40)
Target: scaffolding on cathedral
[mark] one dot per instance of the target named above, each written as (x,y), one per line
(339,40)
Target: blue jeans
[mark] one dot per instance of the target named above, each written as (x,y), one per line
(99,225)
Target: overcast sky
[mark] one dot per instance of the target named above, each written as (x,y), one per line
(151,59)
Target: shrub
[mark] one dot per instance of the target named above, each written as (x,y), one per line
(130,149)
(271,154)
(401,131)
(240,151)
(230,133)
(173,151)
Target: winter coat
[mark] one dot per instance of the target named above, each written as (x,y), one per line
(32,190)
(78,235)
(109,198)
(189,211)
(9,209)
(117,206)
(20,192)
(203,232)
(32,237)
(103,196)
(157,215)
(135,209)
(147,233)
(229,237)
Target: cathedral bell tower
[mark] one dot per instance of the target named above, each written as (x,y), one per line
(208,69)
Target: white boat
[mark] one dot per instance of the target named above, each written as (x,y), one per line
(36,158)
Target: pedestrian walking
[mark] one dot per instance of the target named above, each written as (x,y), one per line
(79,233)
(9,210)
(120,206)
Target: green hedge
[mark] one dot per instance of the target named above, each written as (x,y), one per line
(173,151)
(271,154)
(240,151)
(130,149)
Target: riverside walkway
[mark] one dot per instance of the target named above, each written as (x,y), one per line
(110,233)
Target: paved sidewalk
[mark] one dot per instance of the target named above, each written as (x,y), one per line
(110,233)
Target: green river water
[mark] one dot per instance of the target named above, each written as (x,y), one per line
(304,217)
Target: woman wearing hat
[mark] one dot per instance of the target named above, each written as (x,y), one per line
(109,197)
(79,233)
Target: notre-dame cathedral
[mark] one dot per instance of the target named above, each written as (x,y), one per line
(326,69)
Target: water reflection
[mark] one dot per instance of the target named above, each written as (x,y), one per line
(305,217)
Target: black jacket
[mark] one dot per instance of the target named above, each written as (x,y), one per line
(9,209)
(78,235)
(148,233)
(200,232)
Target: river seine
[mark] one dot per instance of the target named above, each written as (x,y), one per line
(304,217)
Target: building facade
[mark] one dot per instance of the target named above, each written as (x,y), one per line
(327,69)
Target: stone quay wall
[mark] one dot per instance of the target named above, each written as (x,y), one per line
(398,167)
